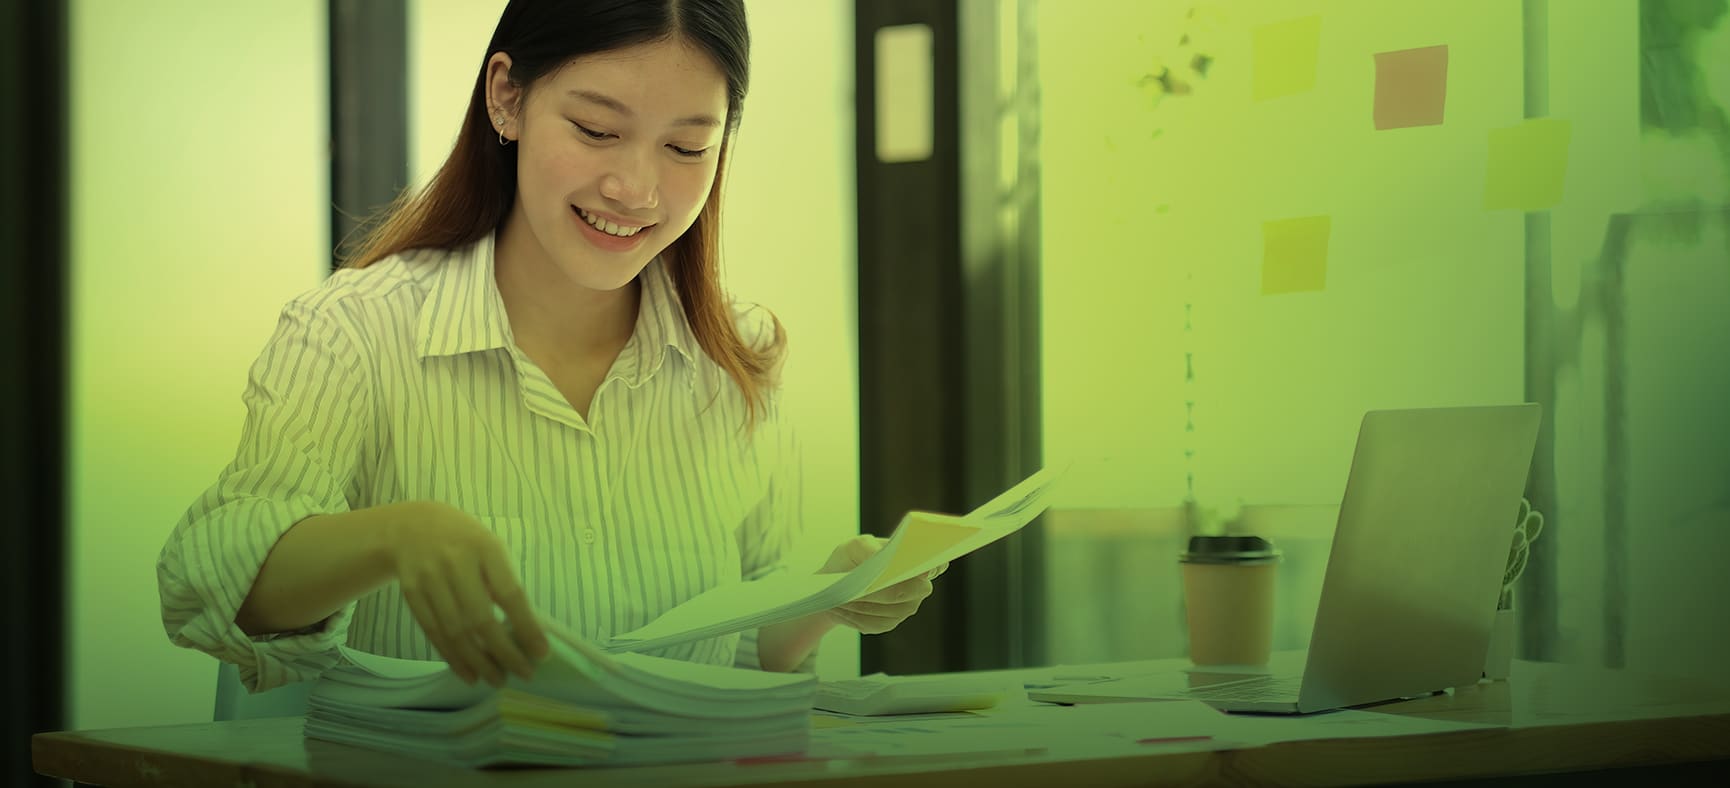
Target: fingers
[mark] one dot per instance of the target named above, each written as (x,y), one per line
(508,593)
(441,619)
(886,616)
(482,628)
(865,623)
(852,553)
(904,591)
(864,546)
(886,609)
(423,613)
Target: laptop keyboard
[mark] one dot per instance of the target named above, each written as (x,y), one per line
(1261,688)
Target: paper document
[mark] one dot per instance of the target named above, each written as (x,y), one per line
(922,542)
(1103,729)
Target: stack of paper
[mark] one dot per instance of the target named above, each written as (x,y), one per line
(608,704)
(582,707)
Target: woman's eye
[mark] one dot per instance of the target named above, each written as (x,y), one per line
(591,133)
(687,153)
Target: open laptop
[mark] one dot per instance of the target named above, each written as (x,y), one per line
(1409,597)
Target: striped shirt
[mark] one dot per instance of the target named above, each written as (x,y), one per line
(402,382)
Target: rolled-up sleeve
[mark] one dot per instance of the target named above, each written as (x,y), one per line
(308,410)
(770,532)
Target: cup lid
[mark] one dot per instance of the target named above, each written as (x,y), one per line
(1229,550)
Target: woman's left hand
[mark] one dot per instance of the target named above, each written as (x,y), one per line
(886,608)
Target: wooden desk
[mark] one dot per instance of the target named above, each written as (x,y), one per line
(1560,718)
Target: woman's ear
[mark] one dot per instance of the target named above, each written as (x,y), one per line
(504,98)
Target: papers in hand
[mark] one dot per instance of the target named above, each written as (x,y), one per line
(922,542)
(582,707)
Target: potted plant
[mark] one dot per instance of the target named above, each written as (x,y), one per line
(1500,657)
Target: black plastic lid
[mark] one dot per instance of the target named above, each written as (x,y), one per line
(1230,550)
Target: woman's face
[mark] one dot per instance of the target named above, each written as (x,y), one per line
(616,154)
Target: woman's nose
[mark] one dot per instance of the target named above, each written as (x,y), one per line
(632,184)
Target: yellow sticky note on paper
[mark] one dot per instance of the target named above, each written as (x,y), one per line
(1285,57)
(1295,254)
(1527,165)
(1411,87)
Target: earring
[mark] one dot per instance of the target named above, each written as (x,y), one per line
(499,120)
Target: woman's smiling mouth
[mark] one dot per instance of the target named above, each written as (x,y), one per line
(609,227)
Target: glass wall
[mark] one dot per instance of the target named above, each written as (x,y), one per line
(1262,219)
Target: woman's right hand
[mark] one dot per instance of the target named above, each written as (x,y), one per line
(453,570)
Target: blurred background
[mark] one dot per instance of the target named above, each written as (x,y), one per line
(1183,245)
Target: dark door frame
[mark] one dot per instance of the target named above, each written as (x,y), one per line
(948,292)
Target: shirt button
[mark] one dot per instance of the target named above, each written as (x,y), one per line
(588,536)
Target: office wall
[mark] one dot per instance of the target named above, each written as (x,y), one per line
(1676,263)
(787,235)
(1154,231)
(1173,366)
(199,195)
(1154,246)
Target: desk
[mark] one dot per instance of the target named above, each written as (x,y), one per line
(1560,718)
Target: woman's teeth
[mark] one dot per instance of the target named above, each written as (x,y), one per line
(608,227)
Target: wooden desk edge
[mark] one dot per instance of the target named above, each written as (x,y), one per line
(1489,752)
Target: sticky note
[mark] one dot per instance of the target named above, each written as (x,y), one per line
(1411,87)
(1294,255)
(1284,59)
(1526,165)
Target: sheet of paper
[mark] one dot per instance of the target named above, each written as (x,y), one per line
(928,540)
(391,667)
(728,602)
(1343,724)
(922,542)
(1107,728)
(1411,87)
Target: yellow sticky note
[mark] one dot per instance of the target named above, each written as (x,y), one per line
(1285,57)
(1411,87)
(1294,255)
(1527,165)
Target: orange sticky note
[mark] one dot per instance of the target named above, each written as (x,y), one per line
(1294,256)
(1411,87)
(1527,165)
(1284,60)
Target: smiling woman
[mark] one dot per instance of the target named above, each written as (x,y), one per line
(527,391)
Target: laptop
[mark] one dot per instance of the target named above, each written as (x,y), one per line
(1409,597)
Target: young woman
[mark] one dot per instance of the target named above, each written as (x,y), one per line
(526,392)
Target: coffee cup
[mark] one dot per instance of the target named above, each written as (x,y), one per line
(1228,584)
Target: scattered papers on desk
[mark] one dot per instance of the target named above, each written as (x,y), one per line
(582,707)
(879,694)
(1010,730)
(922,542)
(1258,730)
(1100,729)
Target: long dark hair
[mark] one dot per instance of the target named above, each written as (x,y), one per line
(471,194)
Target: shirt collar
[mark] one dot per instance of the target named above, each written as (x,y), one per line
(661,324)
(463,312)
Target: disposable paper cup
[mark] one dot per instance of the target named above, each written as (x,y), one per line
(1228,584)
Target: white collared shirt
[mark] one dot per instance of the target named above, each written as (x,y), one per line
(402,382)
